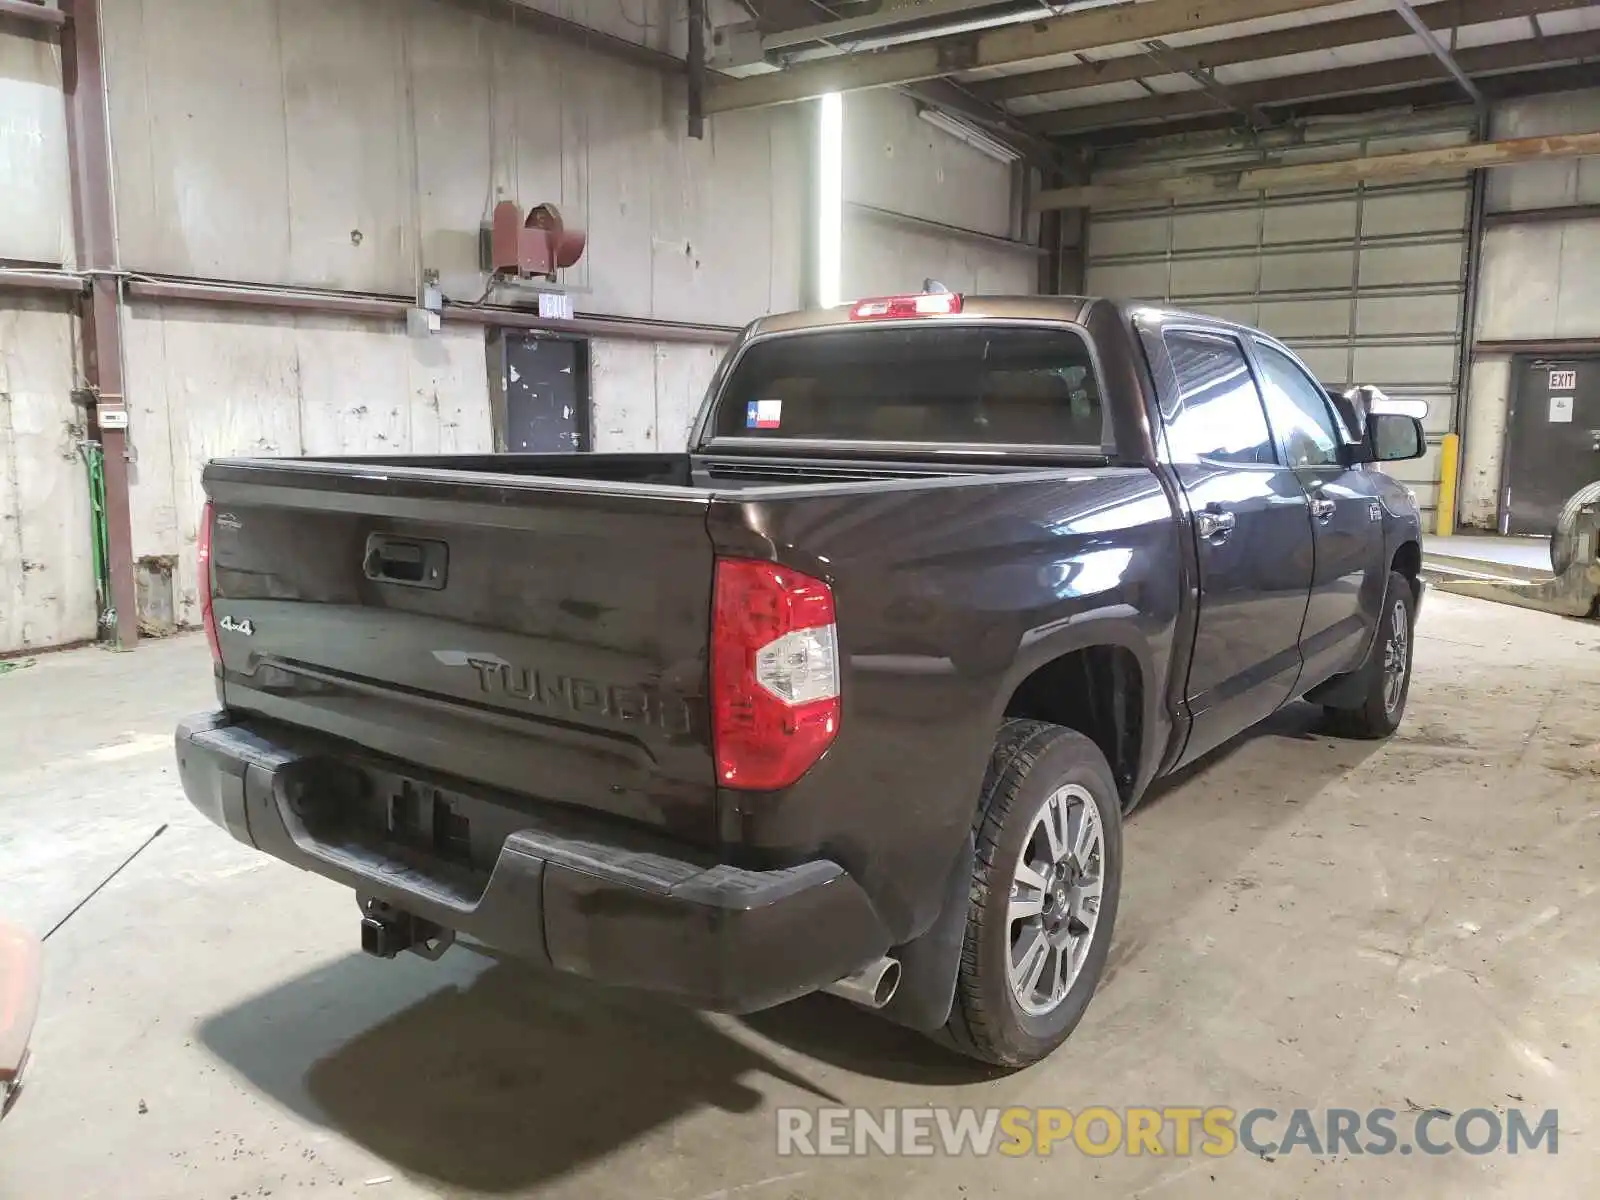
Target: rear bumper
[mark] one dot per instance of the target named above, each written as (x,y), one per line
(581,898)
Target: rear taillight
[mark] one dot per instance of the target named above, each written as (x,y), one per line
(204,583)
(774,674)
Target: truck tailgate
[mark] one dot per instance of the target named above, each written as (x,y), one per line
(544,637)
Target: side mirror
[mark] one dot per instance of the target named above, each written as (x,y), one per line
(1394,437)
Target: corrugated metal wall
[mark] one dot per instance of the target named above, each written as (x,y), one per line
(1365,283)
(895,162)
(46,581)
(1538,281)
(351,144)
(35,197)
(204,384)
(47,593)
(354,144)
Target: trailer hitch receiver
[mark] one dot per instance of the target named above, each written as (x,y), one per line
(386,932)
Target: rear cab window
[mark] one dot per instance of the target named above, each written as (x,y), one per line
(937,383)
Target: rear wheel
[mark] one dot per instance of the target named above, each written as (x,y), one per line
(1044,895)
(1386,675)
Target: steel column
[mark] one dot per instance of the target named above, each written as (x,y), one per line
(1453,463)
(697,69)
(95,230)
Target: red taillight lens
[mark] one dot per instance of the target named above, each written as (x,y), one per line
(207,616)
(929,304)
(774,674)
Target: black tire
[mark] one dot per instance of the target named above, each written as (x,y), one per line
(1564,538)
(1030,763)
(1376,716)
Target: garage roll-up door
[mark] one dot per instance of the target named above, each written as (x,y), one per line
(1365,283)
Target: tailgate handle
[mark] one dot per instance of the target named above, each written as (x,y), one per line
(407,562)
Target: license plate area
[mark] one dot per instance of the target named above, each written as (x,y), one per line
(452,837)
(429,819)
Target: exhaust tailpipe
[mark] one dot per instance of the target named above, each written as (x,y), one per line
(871,987)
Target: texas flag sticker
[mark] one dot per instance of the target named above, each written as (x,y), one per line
(763,414)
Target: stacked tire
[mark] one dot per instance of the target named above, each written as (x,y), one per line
(1564,540)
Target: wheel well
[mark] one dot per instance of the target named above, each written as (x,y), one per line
(1099,691)
(1408,561)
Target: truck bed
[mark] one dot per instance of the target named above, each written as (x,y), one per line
(536,624)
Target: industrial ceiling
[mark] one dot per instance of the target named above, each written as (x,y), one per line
(1049,77)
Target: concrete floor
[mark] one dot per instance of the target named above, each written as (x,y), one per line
(1529,553)
(1305,922)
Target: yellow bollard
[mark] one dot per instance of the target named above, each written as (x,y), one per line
(1449,461)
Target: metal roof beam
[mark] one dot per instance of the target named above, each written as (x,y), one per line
(941,94)
(1178,63)
(1438,50)
(574,33)
(1410,164)
(1302,39)
(1101,25)
(33,13)
(1439,93)
(886,17)
(1293,89)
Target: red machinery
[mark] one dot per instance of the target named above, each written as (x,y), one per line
(19,1001)
(535,246)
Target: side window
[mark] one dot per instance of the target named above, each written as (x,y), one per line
(1219,417)
(1299,410)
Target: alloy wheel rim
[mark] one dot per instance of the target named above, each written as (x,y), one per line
(1396,657)
(1055,899)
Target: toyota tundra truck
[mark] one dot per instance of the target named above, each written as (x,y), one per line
(852,696)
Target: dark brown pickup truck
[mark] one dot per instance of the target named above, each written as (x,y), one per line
(851,696)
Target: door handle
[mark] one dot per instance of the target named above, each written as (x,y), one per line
(1322,508)
(419,564)
(1214,525)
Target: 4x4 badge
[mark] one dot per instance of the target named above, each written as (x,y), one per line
(244,628)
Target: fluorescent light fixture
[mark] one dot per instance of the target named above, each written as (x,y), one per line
(962,131)
(830,200)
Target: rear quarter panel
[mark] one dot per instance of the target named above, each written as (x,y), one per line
(948,595)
